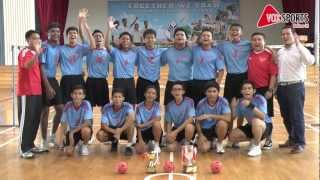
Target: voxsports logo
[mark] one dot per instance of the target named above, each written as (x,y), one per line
(270,16)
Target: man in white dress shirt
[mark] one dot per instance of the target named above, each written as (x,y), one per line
(292,61)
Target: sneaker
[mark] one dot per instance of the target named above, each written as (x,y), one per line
(44,145)
(157,148)
(78,147)
(286,144)
(91,141)
(255,151)
(219,148)
(27,155)
(128,151)
(52,140)
(251,145)
(39,150)
(267,145)
(84,150)
(114,146)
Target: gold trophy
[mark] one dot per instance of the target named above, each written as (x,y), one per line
(188,156)
(153,158)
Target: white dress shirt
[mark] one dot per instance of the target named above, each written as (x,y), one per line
(292,63)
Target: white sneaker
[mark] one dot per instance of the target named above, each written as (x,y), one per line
(27,155)
(157,148)
(52,140)
(44,145)
(91,141)
(219,148)
(255,151)
(251,145)
(84,150)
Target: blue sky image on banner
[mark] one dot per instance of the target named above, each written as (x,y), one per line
(164,16)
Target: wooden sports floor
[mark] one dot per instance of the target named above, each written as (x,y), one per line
(100,164)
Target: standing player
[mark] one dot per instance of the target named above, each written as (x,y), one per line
(149,65)
(208,65)
(71,61)
(236,52)
(117,122)
(179,117)
(148,118)
(261,62)
(253,108)
(29,94)
(50,61)
(76,121)
(179,60)
(213,115)
(124,59)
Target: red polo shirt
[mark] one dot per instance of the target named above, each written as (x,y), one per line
(29,79)
(260,68)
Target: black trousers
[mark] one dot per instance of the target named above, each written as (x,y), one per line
(29,111)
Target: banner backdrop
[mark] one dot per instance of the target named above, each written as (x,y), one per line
(164,16)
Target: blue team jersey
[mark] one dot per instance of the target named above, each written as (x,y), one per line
(206,63)
(143,114)
(71,59)
(123,63)
(259,102)
(220,108)
(76,116)
(149,63)
(98,63)
(50,58)
(235,55)
(178,113)
(179,62)
(115,119)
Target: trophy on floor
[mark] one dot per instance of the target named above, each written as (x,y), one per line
(153,158)
(188,156)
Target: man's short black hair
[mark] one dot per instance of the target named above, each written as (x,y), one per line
(97,31)
(212,84)
(236,25)
(53,25)
(179,83)
(150,87)
(180,29)
(30,33)
(117,90)
(288,26)
(258,33)
(78,87)
(72,28)
(248,82)
(126,33)
(149,31)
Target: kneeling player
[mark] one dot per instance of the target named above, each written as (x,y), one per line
(213,115)
(148,120)
(179,116)
(117,122)
(253,108)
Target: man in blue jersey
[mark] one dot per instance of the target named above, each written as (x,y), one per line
(208,65)
(148,118)
(179,117)
(179,60)
(71,59)
(98,61)
(236,52)
(124,60)
(253,108)
(76,122)
(53,97)
(213,115)
(117,122)
(149,65)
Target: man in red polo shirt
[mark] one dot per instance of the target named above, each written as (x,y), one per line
(262,72)
(29,94)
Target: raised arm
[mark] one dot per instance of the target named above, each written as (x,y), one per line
(110,26)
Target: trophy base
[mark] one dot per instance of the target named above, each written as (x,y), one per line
(190,169)
(151,170)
